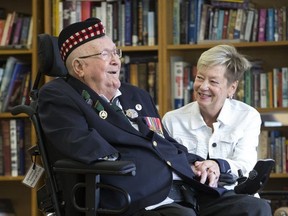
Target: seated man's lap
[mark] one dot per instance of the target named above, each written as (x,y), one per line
(172,209)
(234,204)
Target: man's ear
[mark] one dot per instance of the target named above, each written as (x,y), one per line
(77,65)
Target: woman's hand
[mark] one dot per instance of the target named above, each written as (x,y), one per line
(208,171)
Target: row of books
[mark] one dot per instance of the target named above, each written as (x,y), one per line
(14,142)
(182,79)
(273,144)
(14,83)
(264,89)
(203,21)
(258,88)
(141,71)
(128,22)
(15,29)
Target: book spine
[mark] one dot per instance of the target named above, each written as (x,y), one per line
(285,86)
(128,23)
(13,148)
(176,22)
(262,24)
(6,146)
(192,22)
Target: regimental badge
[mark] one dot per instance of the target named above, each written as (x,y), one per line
(103,114)
(131,113)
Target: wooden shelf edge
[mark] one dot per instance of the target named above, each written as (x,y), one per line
(279,175)
(11,178)
(240,44)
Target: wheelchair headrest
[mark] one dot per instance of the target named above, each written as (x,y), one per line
(50,62)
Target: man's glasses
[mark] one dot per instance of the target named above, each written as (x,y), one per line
(105,54)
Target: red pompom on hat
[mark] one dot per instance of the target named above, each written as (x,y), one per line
(77,34)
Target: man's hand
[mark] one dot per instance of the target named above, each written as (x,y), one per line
(207,171)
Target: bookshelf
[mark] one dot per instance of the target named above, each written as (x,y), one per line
(272,53)
(22,197)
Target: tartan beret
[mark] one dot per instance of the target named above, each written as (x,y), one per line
(77,34)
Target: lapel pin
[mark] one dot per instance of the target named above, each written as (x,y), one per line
(138,107)
(103,114)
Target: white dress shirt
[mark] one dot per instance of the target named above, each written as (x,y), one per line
(235,137)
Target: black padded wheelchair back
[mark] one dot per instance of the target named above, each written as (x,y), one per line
(49,196)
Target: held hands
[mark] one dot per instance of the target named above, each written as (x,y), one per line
(208,171)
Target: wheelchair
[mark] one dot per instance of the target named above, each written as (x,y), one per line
(50,199)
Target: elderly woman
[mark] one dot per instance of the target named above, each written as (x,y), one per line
(216,126)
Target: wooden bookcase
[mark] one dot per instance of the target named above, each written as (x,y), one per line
(272,53)
(23,198)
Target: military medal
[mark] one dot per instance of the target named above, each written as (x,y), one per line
(131,113)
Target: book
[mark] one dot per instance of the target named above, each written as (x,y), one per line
(225,24)
(263,90)
(13,148)
(204,21)
(178,90)
(25,30)
(17,31)
(152,80)
(184,7)
(142,69)
(262,149)
(270,25)
(231,23)
(128,22)
(14,89)
(192,22)
(220,24)
(284,86)
(5,126)
(135,24)
(176,21)
(7,74)
(173,60)
(249,25)
(6,29)
(86,8)
(20,129)
(255,26)
(262,24)
(151,28)
(238,23)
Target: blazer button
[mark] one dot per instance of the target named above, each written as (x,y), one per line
(214,145)
(155,144)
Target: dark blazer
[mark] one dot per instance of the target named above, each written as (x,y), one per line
(75,130)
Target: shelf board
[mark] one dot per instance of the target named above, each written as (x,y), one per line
(11,178)
(138,48)
(15,51)
(240,44)
(278,175)
(9,115)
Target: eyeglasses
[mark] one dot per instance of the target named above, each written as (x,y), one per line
(105,54)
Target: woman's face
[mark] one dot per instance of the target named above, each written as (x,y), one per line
(211,88)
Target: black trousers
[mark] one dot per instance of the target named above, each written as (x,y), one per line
(230,204)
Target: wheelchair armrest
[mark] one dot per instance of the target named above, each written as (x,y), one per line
(99,167)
